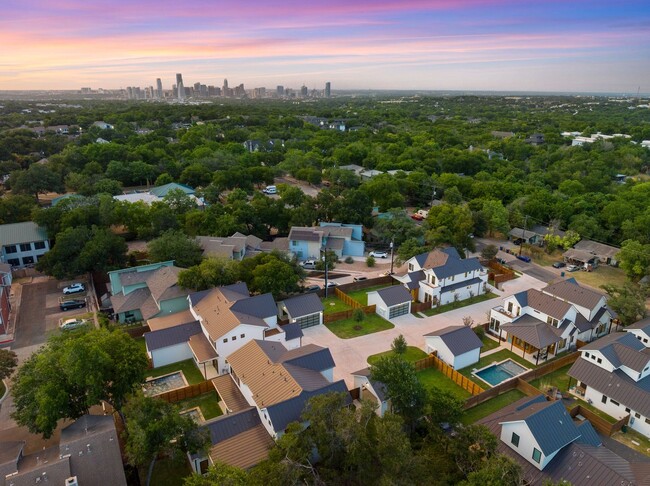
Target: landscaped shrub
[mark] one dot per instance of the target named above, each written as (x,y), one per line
(349,260)
(358,315)
(480,331)
(370,261)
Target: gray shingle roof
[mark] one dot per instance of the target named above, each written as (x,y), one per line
(260,306)
(598,249)
(304,234)
(171,335)
(549,422)
(283,413)
(616,385)
(459,339)
(394,295)
(571,291)
(303,305)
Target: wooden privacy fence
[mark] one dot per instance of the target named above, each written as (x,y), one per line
(461,380)
(600,424)
(189,391)
(420,306)
(339,316)
(547,368)
(364,284)
(346,298)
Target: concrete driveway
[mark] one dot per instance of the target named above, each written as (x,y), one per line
(350,355)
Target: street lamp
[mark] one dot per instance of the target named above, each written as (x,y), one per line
(392,252)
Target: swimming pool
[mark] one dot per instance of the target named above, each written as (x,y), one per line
(499,372)
(162,384)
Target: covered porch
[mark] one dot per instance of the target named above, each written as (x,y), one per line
(535,340)
(205,355)
(232,400)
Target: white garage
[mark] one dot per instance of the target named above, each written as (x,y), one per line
(458,346)
(391,302)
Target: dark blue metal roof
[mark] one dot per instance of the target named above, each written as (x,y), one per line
(171,335)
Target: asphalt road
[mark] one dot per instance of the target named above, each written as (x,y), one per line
(534,270)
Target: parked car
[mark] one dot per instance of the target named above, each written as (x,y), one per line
(331,284)
(270,190)
(378,254)
(308,264)
(387,273)
(502,261)
(74,288)
(312,288)
(66,305)
(72,324)
(359,278)
(417,217)
(572,268)
(524,258)
(559,265)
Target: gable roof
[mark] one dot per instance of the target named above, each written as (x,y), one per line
(549,422)
(571,291)
(459,339)
(616,385)
(162,191)
(163,284)
(16,233)
(394,295)
(598,249)
(260,306)
(291,330)
(643,325)
(171,335)
(303,305)
(622,349)
(547,304)
(446,262)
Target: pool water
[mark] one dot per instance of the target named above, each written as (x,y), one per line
(162,384)
(497,373)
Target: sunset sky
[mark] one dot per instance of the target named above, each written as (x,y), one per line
(563,45)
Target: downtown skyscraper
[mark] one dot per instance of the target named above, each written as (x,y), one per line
(180,87)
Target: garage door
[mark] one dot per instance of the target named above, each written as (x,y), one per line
(309,321)
(398,310)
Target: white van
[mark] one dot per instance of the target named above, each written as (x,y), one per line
(270,190)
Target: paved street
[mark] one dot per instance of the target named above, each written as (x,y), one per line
(350,354)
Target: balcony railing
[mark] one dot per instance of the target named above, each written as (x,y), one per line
(501,310)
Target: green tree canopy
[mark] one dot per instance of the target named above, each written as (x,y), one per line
(211,272)
(175,245)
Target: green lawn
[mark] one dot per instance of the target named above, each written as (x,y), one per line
(333,304)
(189,369)
(486,408)
(489,359)
(361,296)
(634,440)
(432,377)
(558,378)
(412,354)
(208,403)
(460,303)
(489,344)
(141,344)
(347,328)
(167,471)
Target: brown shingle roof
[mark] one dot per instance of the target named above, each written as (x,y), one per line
(435,258)
(230,394)
(571,291)
(171,320)
(216,315)
(548,304)
(163,284)
(132,301)
(244,450)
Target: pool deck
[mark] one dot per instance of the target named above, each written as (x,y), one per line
(165,383)
(494,365)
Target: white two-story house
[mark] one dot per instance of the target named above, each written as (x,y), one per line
(441,276)
(543,323)
(613,374)
(219,322)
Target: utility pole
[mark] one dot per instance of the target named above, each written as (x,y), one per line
(392,252)
(523,234)
(325,260)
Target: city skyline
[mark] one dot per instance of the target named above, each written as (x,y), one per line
(414,44)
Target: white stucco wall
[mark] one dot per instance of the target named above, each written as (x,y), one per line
(380,309)
(467,359)
(526,442)
(226,349)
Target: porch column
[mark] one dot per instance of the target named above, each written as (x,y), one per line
(205,371)
(512,343)
(523,355)
(537,357)
(500,332)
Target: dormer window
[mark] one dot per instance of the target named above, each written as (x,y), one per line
(552,321)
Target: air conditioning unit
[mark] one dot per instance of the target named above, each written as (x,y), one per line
(72,481)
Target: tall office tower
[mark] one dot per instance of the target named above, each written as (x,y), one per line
(225,84)
(279,90)
(151,92)
(328,89)
(180,86)
(303,91)
(159,93)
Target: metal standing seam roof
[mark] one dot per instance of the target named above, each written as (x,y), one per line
(172,335)
(532,331)
(394,295)
(303,305)
(26,232)
(616,385)
(162,191)
(547,304)
(460,285)
(291,331)
(201,348)
(260,306)
(170,320)
(459,339)
(571,291)
(298,233)
(230,393)
(643,325)
(549,423)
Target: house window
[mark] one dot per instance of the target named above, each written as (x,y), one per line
(647,421)
(562,344)
(14,262)
(243,336)
(452,277)
(411,267)
(593,356)
(225,340)
(604,399)
(645,340)
(552,321)
(234,338)
(614,402)
(10,249)
(294,243)
(627,409)
(599,360)
(537,455)
(515,440)
(39,245)
(25,247)
(586,355)
(510,307)
(494,325)
(466,273)
(637,415)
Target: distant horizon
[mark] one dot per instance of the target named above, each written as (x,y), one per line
(579,46)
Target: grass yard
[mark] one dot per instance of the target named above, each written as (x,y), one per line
(489,359)
(189,369)
(460,303)
(167,471)
(488,344)
(604,274)
(361,296)
(208,403)
(431,377)
(347,328)
(486,408)
(333,304)
(141,344)
(412,354)
(558,378)
(633,440)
